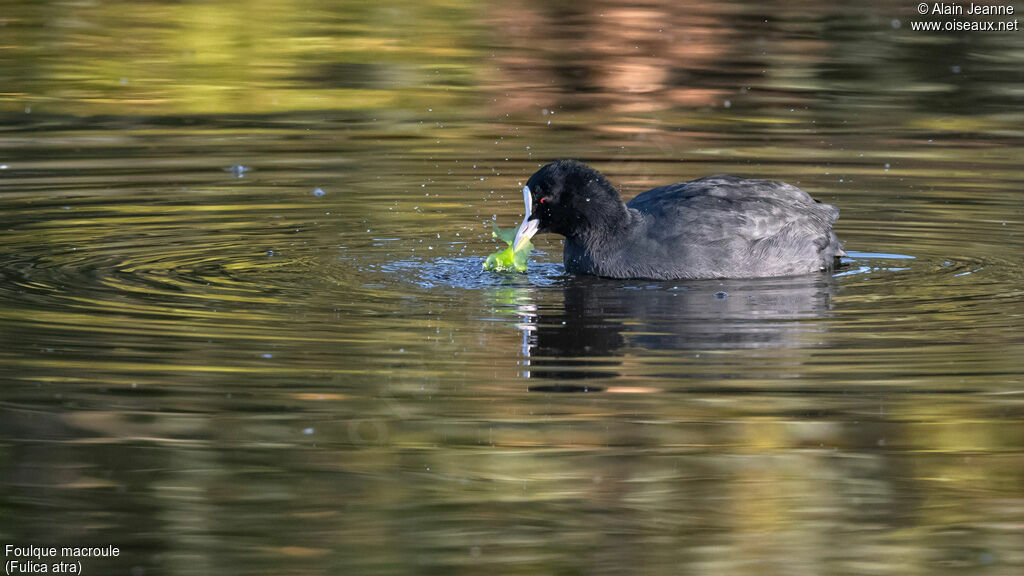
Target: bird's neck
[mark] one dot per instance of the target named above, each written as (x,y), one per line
(604,228)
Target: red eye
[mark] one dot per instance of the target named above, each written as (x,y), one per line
(542,200)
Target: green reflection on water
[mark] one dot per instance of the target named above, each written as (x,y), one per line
(223,373)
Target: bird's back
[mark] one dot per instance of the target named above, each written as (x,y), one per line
(726,226)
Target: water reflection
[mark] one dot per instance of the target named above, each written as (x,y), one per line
(207,362)
(602,320)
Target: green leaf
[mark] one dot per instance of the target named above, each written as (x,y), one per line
(507,235)
(508,260)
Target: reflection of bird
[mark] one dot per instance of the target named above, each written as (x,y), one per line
(714,227)
(605,328)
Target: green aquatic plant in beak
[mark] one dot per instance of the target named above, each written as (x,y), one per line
(514,257)
(509,259)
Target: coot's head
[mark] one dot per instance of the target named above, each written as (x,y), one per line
(567,197)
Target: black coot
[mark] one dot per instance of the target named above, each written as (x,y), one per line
(714,227)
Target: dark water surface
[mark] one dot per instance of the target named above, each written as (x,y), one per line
(244,328)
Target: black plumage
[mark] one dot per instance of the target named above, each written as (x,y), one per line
(714,227)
